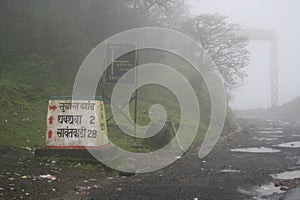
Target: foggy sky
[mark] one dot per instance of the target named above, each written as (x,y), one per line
(283,17)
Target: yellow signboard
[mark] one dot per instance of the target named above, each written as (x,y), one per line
(76,123)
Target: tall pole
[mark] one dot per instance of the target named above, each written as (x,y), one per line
(274,75)
(136,94)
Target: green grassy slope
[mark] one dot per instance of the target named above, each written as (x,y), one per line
(22,122)
(23,108)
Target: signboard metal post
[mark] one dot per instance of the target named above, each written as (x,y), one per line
(117,68)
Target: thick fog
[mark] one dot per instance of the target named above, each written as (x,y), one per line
(283,17)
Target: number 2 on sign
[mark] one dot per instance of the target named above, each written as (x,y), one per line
(92,119)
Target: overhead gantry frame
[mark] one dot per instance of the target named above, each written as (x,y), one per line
(267,35)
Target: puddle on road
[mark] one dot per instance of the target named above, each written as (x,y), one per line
(256,150)
(261,192)
(230,171)
(270,132)
(286,123)
(264,138)
(295,144)
(295,135)
(276,136)
(287,175)
(269,129)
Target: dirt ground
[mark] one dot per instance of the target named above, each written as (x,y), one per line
(221,175)
(21,171)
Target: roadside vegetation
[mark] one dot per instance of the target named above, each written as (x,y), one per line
(42,44)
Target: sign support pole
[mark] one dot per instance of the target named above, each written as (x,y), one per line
(135,97)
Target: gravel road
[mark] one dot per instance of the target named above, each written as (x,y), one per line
(227,173)
(223,174)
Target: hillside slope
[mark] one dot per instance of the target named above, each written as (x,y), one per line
(289,111)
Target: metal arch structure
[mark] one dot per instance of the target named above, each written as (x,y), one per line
(267,35)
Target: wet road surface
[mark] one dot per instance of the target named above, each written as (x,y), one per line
(245,165)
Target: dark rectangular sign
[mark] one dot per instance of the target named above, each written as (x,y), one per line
(121,58)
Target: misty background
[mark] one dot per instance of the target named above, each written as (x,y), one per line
(43,44)
(282,17)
